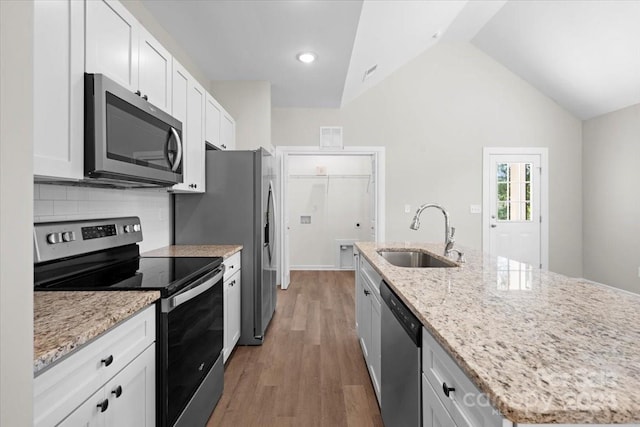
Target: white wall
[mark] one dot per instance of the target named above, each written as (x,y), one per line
(435,115)
(611,200)
(16,242)
(249,103)
(153,206)
(336,193)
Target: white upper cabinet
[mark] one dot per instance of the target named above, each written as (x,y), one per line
(220,126)
(213,115)
(227,132)
(188,106)
(58,77)
(120,48)
(112,42)
(154,71)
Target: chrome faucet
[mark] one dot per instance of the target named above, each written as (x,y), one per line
(448,230)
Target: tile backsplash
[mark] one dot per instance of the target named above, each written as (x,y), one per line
(62,203)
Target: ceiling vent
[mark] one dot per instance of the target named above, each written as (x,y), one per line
(369,72)
(331,137)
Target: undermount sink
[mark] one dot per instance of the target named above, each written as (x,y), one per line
(414,259)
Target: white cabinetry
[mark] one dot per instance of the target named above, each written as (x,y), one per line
(232,303)
(109,382)
(154,71)
(213,116)
(434,413)
(112,42)
(188,106)
(126,401)
(220,126)
(368,304)
(119,47)
(464,404)
(227,132)
(58,77)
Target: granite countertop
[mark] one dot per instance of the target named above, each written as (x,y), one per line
(544,347)
(224,251)
(63,321)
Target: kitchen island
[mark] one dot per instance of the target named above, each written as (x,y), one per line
(543,347)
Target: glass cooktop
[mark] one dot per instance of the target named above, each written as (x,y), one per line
(165,274)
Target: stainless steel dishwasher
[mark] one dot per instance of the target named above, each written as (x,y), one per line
(401,358)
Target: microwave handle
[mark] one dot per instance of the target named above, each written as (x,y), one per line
(176,164)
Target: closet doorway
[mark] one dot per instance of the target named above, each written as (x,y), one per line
(329,200)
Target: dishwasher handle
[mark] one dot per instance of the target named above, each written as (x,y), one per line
(409,322)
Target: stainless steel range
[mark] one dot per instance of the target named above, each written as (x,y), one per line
(91,255)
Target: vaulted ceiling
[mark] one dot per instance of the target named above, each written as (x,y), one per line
(584,54)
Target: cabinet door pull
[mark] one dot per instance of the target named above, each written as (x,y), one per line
(138,93)
(117,391)
(366,292)
(446,389)
(232,283)
(103,405)
(108,361)
(145,97)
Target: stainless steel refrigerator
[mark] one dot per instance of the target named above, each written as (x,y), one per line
(238,207)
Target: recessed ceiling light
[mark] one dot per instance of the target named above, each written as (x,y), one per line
(306,57)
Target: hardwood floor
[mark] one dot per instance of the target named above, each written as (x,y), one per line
(310,370)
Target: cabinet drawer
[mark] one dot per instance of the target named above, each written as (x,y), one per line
(232,265)
(63,387)
(434,413)
(467,405)
(371,278)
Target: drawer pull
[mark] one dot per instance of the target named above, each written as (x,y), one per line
(103,405)
(117,391)
(446,389)
(232,283)
(108,361)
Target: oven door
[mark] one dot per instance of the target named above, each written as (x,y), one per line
(193,340)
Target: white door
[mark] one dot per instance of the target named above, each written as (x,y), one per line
(286,226)
(514,207)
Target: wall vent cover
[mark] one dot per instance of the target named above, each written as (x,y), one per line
(331,137)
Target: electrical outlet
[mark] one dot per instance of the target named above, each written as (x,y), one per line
(475,209)
(407,208)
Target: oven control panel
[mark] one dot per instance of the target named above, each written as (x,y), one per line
(54,240)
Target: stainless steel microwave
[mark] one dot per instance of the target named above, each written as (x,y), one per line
(129,142)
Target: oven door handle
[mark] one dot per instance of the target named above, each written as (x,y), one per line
(194,292)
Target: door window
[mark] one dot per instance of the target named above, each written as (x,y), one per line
(514,191)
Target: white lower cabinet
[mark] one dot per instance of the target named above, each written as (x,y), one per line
(109,382)
(465,405)
(434,413)
(232,303)
(128,400)
(368,326)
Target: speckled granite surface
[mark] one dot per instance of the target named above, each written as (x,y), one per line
(63,321)
(544,347)
(224,251)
